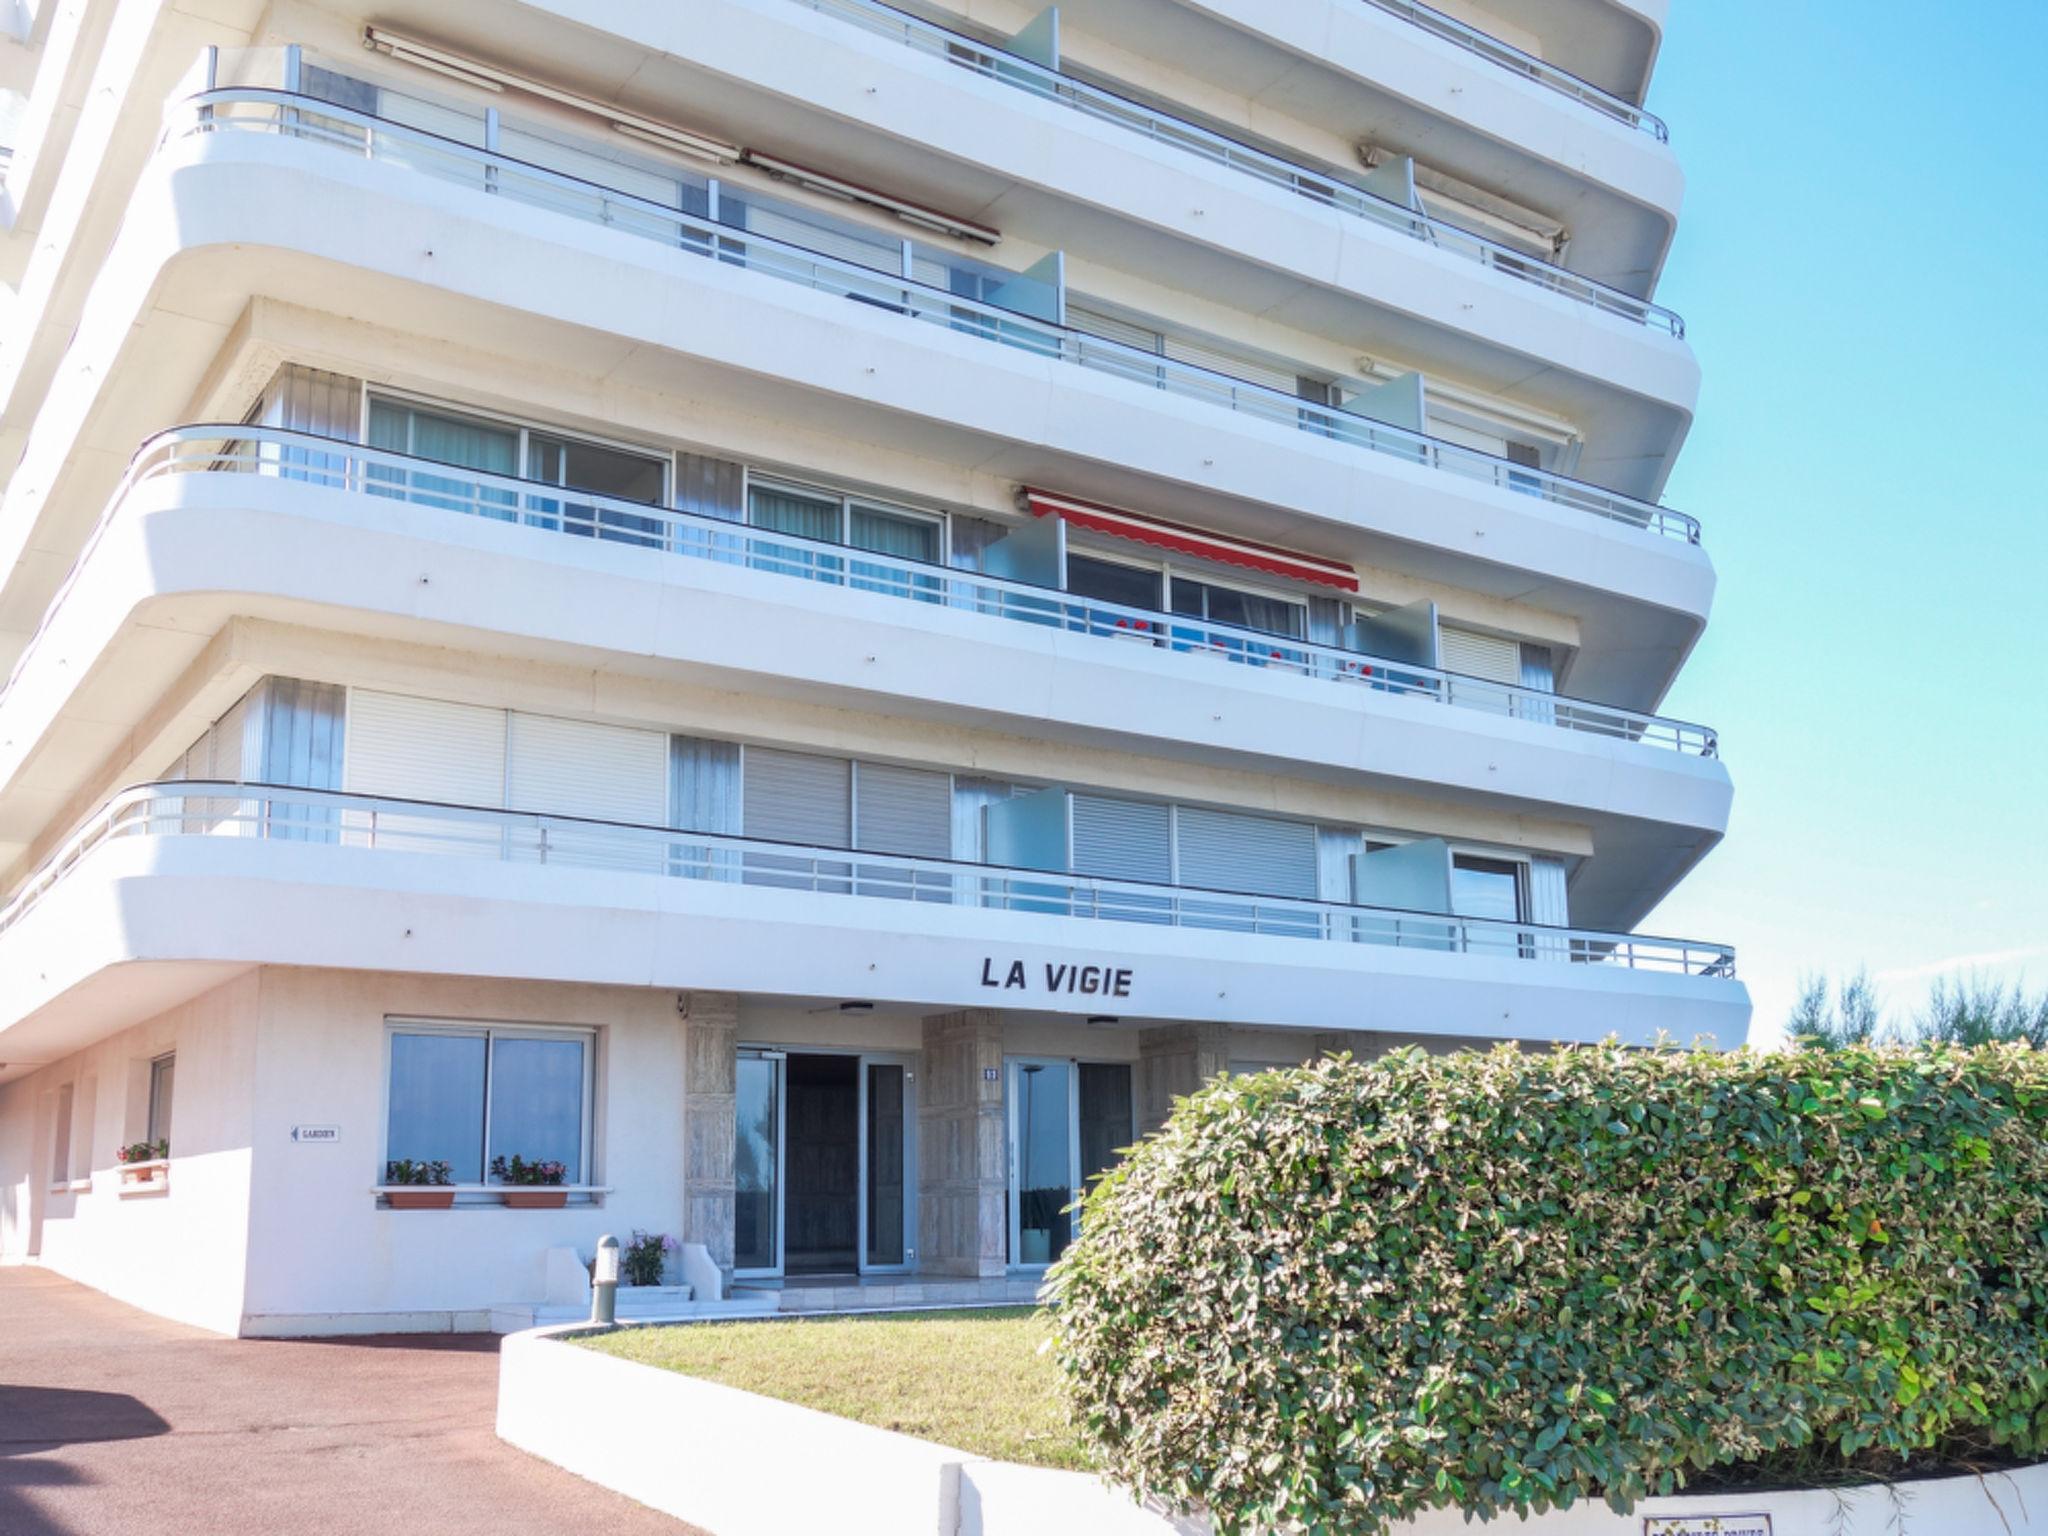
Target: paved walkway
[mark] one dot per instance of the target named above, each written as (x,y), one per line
(116,1423)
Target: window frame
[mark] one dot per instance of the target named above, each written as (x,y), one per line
(524,429)
(490,1031)
(794,485)
(157,1114)
(1196,572)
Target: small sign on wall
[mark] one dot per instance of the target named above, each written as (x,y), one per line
(307,1133)
(1706,1525)
(990,1074)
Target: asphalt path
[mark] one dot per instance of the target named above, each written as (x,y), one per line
(117,1423)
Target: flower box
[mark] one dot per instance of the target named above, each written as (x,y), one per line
(536,1199)
(152,1177)
(420,1197)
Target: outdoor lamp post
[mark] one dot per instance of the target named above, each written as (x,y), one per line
(604,1284)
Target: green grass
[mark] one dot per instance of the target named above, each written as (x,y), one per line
(976,1381)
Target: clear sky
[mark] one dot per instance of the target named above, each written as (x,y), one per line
(1861,261)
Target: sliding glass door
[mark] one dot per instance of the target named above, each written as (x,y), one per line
(1068,1122)
(824,1145)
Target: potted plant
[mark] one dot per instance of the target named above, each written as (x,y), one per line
(142,1161)
(419,1185)
(644,1259)
(532,1186)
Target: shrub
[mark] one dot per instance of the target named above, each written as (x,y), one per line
(645,1257)
(1334,1296)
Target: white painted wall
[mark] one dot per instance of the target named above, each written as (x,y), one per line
(320,1247)
(181,1252)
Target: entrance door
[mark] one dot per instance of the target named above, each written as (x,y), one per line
(1068,1122)
(824,1145)
(822,1158)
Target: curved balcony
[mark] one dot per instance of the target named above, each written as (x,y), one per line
(222,809)
(1253,654)
(1527,65)
(1319,187)
(490,172)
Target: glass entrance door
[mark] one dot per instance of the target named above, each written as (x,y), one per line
(757,1164)
(824,1145)
(1068,1122)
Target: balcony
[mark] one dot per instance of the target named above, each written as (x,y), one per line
(1528,66)
(373,824)
(254,110)
(1252,656)
(1319,187)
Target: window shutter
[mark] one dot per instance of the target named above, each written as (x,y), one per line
(1477,655)
(797,797)
(577,768)
(1224,851)
(1096,323)
(903,810)
(425,749)
(1122,839)
(1220,357)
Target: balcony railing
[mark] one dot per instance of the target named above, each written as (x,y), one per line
(1318,187)
(1527,65)
(247,109)
(1256,654)
(377,823)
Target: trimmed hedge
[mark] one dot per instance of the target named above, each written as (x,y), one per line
(1334,1296)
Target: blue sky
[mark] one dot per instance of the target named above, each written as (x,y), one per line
(1861,262)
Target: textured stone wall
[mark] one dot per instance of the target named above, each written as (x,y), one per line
(1174,1060)
(710,1066)
(963,1188)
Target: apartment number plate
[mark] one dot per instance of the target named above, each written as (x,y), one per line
(1706,1525)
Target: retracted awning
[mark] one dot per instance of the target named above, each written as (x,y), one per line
(1197,542)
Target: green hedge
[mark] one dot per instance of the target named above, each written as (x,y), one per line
(1342,1294)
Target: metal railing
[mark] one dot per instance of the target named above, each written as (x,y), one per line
(371,822)
(251,109)
(329,462)
(1320,187)
(1527,65)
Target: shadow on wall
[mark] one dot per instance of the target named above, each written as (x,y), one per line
(34,1419)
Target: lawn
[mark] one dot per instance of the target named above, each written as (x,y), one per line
(976,1381)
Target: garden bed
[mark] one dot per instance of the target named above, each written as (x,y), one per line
(977,1381)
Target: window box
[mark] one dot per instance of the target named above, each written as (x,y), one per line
(536,1199)
(146,1178)
(419,1197)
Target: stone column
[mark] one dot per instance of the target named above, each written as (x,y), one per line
(1173,1061)
(711,1029)
(962,1150)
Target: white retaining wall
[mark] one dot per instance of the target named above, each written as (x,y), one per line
(743,1465)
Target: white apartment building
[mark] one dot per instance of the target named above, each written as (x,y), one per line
(808,608)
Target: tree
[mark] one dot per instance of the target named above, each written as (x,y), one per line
(1978,1012)
(1853,1018)
(1967,1012)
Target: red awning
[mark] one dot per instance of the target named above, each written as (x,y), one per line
(1197,542)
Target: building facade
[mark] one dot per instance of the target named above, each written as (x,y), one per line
(807,609)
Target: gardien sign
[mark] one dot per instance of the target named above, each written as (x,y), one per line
(1056,980)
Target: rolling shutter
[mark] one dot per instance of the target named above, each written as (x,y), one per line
(425,749)
(1224,851)
(1477,655)
(1096,323)
(577,768)
(1122,839)
(903,810)
(797,797)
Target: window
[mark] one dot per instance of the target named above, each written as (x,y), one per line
(830,518)
(1488,888)
(1493,889)
(580,466)
(465,1096)
(1246,610)
(60,1138)
(161,1073)
(459,441)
